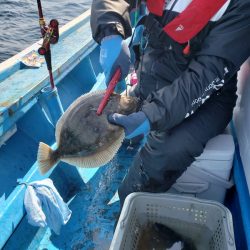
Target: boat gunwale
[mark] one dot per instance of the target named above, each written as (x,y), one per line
(13,63)
(9,111)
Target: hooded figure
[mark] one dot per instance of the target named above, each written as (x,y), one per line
(187,65)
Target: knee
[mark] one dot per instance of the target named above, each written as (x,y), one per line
(181,154)
(174,153)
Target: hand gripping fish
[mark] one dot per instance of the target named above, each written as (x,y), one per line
(83,138)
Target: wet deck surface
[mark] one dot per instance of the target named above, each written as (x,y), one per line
(92,223)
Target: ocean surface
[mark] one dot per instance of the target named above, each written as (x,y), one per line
(19,27)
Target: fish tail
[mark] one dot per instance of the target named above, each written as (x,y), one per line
(46,157)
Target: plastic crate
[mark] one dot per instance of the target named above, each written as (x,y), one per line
(207,223)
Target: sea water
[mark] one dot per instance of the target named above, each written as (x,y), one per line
(19,21)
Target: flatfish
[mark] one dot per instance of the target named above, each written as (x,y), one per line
(83,138)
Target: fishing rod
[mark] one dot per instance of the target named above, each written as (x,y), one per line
(50,35)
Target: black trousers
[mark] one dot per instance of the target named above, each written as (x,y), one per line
(166,155)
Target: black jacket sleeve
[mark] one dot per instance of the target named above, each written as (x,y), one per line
(111,17)
(168,106)
(223,51)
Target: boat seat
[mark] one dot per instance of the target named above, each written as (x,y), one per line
(208,177)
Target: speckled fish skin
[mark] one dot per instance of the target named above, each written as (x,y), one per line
(83,138)
(83,132)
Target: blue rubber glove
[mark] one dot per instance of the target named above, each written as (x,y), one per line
(134,124)
(114,54)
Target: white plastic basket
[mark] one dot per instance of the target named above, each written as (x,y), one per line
(207,223)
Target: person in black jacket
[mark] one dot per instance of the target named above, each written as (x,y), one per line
(187,81)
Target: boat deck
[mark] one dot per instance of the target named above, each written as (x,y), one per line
(92,222)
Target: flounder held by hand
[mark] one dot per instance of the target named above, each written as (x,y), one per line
(83,138)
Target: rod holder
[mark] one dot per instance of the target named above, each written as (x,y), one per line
(51,104)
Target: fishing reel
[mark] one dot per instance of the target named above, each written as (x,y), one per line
(50,35)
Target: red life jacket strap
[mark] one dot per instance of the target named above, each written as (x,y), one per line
(192,20)
(156,6)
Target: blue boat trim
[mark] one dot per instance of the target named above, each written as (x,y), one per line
(51,104)
(241,187)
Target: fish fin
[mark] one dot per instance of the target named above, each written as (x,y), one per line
(98,159)
(45,158)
